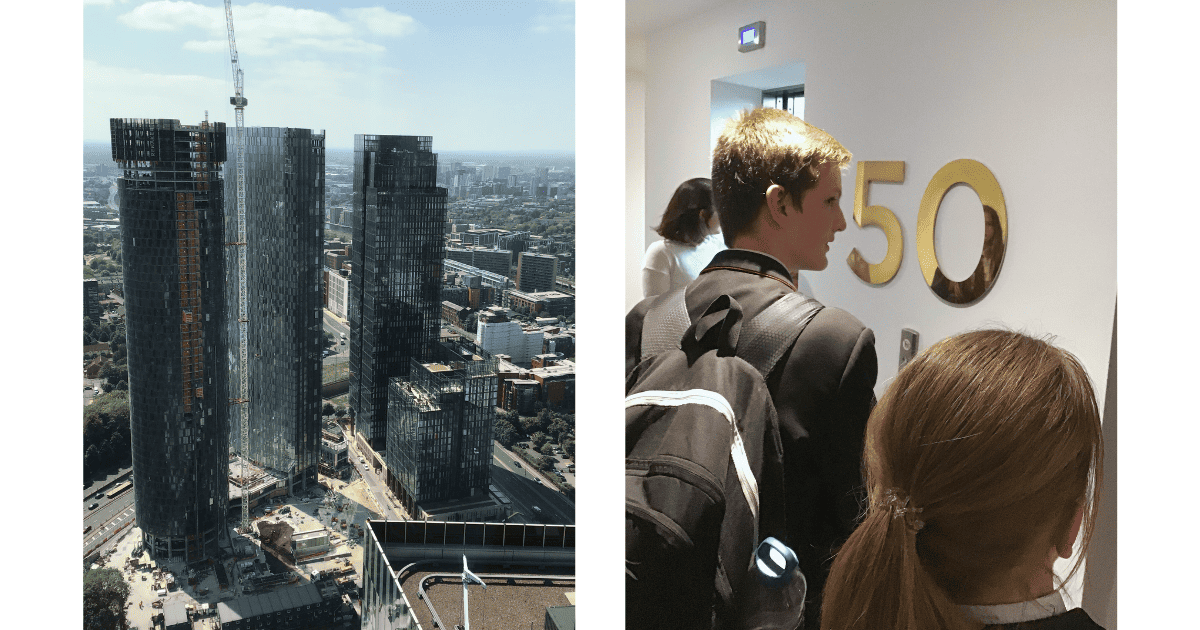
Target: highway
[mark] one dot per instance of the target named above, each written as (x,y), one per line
(111,515)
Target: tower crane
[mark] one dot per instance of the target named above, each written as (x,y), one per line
(243,398)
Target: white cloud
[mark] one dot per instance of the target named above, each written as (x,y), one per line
(115,92)
(107,3)
(207,46)
(554,23)
(262,29)
(165,15)
(345,45)
(380,21)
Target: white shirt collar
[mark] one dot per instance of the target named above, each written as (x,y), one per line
(1040,608)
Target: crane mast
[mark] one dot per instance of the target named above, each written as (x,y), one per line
(243,398)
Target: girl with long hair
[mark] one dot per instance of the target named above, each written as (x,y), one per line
(982,461)
(691,237)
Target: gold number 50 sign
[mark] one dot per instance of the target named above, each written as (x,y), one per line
(995,236)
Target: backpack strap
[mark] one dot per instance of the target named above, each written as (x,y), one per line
(664,324)
(771,333)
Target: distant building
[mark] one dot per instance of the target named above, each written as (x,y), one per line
(535,272)
(497,261)
(454,314)
(554,380)
(488,290)
(543,303)
(440,429)
(395,306)
(173,238)
(91,299)
(285,204)
(495,334)
(337,291)
(93,210)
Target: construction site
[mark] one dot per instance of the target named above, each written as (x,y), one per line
(298,567)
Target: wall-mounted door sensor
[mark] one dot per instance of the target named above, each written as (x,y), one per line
(908,345)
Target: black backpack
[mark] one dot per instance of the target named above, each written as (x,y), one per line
(704,463)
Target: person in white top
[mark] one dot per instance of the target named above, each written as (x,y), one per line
(691,237)
(982,462)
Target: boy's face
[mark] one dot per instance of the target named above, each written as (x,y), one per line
(813,224)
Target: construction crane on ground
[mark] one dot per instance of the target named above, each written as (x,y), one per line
(243,398)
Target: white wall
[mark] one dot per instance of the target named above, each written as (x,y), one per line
(1028,88)
(637,231)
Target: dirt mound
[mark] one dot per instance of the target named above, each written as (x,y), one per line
(277,540)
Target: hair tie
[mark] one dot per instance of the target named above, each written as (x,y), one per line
(898,506)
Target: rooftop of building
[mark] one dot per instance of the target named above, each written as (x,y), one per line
(540,295)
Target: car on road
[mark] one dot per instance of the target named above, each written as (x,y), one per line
(87,529)
(93,506)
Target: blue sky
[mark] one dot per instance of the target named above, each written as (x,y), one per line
(489,75)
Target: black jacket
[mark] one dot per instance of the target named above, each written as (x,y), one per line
(823,393)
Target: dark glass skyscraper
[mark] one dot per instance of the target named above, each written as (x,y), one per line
(396,256)
(173,238)
(285,211)
(440,427)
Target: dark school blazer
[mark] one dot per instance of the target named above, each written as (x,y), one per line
(823,393)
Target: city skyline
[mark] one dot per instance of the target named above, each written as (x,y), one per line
(318,65)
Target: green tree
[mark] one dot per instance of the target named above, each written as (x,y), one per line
(504,432)
(559,429)
(538,439)
(327,410)
(340,411)
(104,595)
(547,449)
(568,446)
(530,425)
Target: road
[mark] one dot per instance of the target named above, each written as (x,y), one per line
(528,488)
(335,326)
(392,510)
(112,515)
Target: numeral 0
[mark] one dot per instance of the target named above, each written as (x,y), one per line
(969,172)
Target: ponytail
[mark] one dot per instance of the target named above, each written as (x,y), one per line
(877,580)
(997,437)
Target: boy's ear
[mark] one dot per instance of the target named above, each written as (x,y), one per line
(776,197)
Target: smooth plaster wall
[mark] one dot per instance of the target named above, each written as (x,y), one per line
(637,231)
(1027,88)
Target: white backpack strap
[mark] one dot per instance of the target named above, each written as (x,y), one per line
(741,461)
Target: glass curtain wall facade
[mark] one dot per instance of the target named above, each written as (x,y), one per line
(173,238)
(285,210)
(440,426)
(395,285)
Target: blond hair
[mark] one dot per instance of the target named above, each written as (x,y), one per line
(761,147)
(995,437)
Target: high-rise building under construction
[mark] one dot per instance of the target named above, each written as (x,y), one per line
(285,211)
(396,257)
(173,241)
